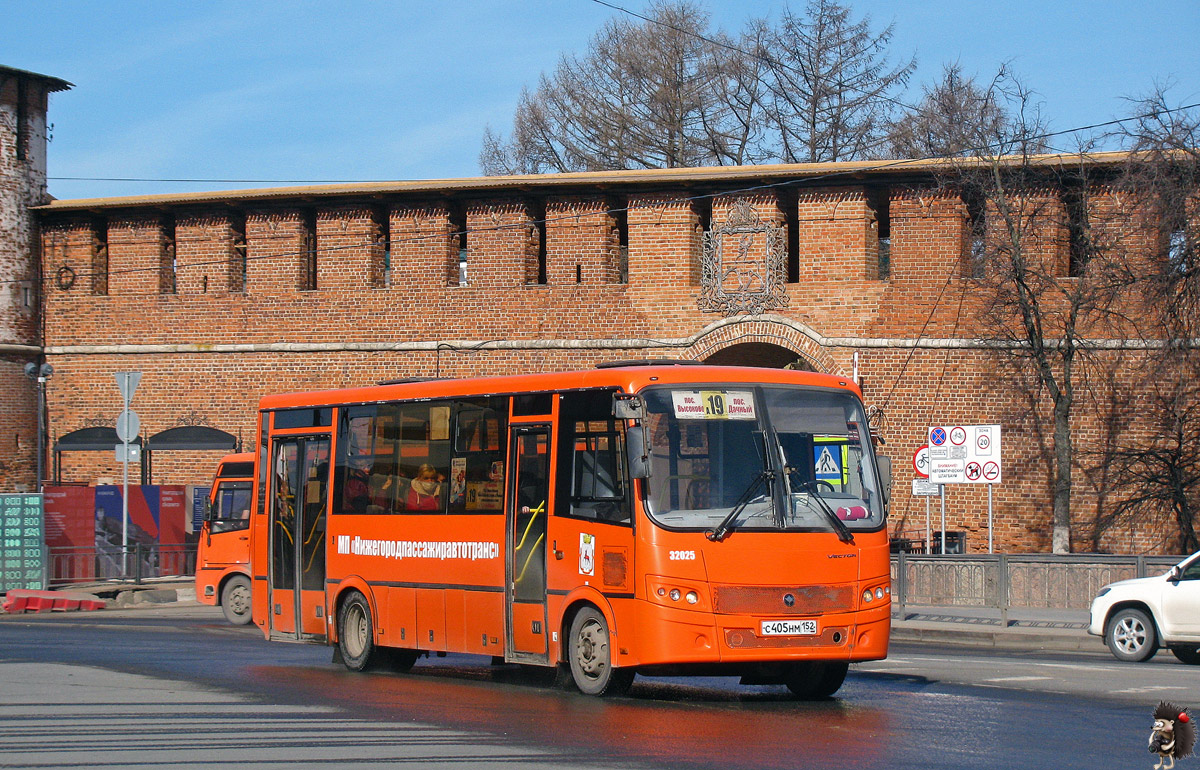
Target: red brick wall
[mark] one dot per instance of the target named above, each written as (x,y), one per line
(350,331)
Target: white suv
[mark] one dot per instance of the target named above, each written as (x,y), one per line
(1138,616)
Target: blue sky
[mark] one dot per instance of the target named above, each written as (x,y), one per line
(369,90)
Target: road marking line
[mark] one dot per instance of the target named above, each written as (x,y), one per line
(1018,679)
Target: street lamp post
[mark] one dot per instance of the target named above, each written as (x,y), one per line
(41,373)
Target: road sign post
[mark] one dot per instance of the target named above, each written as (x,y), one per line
(128,426)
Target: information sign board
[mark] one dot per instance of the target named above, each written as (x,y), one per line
(925,488)
(22,553)
(199,506)
(965,454)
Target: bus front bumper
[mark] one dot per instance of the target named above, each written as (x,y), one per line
(669,636)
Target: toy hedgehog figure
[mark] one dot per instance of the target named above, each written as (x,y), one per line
(1172,736)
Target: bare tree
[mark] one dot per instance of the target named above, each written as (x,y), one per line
(1046,277)
(832,86)
(1158,469)
(645,96)
(671,92)
(952,117)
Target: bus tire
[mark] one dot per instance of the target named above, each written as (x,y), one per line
(591,659)
(356,633)
(401,660)
(812,680)
(235,600)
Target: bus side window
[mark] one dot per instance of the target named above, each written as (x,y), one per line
(592,452)
(476,483)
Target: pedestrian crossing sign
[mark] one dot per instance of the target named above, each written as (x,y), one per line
(828,468)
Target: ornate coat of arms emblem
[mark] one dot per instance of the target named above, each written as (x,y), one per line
(743,264)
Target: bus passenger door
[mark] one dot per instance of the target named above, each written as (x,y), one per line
(527,514)
(299,501)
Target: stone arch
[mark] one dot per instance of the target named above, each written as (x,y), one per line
(762,341)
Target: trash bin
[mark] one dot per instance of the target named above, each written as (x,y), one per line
(956,542)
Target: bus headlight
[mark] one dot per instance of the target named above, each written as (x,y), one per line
(681,594)
(879,592)
(868,596)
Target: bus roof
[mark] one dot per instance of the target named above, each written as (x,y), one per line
(238,465)
(630,378)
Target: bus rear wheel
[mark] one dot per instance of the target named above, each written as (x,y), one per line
(812,680)
(235,600)
(356,633)
(591,658)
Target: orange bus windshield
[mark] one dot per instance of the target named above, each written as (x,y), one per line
(714,448)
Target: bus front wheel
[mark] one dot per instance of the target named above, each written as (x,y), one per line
(356,633)
(235,600)
(591,657)
(812,680)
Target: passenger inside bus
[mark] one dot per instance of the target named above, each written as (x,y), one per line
(425,493)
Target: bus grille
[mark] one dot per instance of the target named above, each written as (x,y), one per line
(743,638)
(773,600)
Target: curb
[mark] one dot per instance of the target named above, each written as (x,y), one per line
(998,640)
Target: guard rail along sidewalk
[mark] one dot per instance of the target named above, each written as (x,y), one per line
(1007,581)
(135,562)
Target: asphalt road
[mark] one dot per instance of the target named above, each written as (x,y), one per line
(175,685)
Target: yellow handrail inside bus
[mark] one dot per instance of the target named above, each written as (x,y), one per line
(529,556)
(533,517)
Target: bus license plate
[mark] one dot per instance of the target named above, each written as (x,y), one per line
(789,627)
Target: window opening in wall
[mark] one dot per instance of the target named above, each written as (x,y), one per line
(167,260)
(1179,251)
(789,203)
(22,119)
(618,211)
(238,267)
(1078,229)
(381,227)
(536,268)
(703,206)
(880,201)
(27,295)
(458,240)
(99,256)
(308,251)
(976,246)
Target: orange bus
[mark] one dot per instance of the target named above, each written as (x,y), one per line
(223,554)
(660,518)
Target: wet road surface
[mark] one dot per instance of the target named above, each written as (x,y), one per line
(480,713)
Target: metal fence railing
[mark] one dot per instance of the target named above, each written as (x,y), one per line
(1005,581)
(135,562)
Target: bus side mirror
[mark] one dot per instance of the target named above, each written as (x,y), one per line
(628,406)
(635,451)
(210,511)
(885,472)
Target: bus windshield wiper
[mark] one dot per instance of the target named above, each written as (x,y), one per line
(722,530)
(839,526)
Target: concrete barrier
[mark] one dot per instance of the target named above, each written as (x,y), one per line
(21,600)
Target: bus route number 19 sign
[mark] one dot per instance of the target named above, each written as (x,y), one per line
(22,555)
(965,454)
